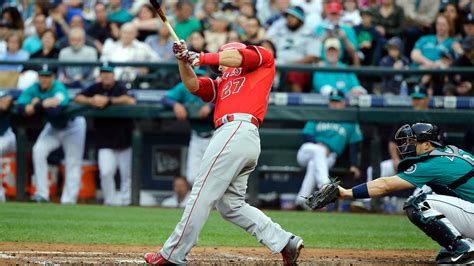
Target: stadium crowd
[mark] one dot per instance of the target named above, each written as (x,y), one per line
(398,34)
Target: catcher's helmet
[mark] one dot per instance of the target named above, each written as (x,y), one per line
(407,136)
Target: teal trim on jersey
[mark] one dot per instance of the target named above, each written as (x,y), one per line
(340,81)
(57,90)
(180,94)
(334,135)
(442,170)
(431,49)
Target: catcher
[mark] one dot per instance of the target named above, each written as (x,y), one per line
(445,214)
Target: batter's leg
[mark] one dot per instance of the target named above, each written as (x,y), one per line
(73,140)
(232,207)
(47,141)
(124,158)
(226,156)
(107,170)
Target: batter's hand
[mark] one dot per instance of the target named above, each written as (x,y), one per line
(180,111)
(204,111)
(193,58)
(180,49)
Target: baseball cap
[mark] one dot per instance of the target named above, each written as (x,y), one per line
(395,42)
(334,7)
(296,11)
(469,18)
(45,71)
(468,43)
(418,91)
(336,95)
(332,43)
(106,68)
(366,11)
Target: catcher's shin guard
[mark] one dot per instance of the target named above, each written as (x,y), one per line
(433,223)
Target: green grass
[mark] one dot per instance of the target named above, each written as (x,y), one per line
(84,224)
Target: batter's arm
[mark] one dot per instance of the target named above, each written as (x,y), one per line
(376,188)
(188,76)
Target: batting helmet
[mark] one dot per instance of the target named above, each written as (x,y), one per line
(232,46)
(407,136)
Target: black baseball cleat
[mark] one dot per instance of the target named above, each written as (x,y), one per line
(291,251)
(463,255)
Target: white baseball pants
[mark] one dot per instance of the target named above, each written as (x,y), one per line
(314,157)
(197,147)
(109,161)
(72,139)
(386,169)
(231,156)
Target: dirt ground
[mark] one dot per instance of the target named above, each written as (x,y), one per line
(56,253)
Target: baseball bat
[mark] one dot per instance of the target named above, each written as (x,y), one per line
(157,5)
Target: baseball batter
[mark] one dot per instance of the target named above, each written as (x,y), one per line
(201,130)
(241,97)
(447,215)
(48,97)
(324,142)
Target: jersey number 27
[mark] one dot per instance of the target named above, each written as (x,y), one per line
(232,87)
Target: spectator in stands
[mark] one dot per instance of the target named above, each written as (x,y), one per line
(49,97)
(397,60)
(77,22)
(351,15)
(468,25)
(128,49)
(178,98)
(197,42)
(180,196)
(146,22)
(117,13)
(218,34)
(62,15)
(462,84)
(162,43)
(331,27)
(32,44)
(12,15)
(38,8)
(389,19)
(77,51)
(368,38)
(419,101)
(313,10)
(185,23)
(234,36)
(324,142)
(270,11)
(14,53)
(419,16)
(113,136)
(253,31)
(295,44)
(100,29)
(49,50)
(428,49)
(4,32)
(450,10)
(208,8)
(324,83)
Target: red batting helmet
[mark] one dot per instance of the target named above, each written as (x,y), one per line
(232,46)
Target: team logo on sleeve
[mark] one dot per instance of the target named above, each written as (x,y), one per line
(410,170)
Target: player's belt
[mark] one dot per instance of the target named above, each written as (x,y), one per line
(236,117)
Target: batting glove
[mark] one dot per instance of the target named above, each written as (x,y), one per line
(193,58)
(180,50)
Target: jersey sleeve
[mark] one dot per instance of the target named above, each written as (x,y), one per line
(26,96)
(309,129)
(256,56)
(207,89)
(356,134)
(60,93)
(419,44)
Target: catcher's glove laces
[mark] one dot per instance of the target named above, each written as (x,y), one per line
(327,194)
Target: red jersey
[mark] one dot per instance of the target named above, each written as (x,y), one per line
(244,89)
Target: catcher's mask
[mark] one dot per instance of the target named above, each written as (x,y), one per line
(225,47)
(408,136)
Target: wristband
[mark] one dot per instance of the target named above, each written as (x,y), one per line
(360,191)
(209,58)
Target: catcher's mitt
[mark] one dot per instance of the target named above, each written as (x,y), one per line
(327,194)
